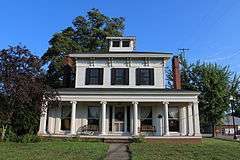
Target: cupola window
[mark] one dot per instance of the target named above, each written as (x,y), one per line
(125,43)
(116,44)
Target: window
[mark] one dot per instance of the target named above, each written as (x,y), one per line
(125,43)
(66,117)
(93,115)
(115,43)
(119,76)
(173,118)
(94,76)
(146,115)
(144,76)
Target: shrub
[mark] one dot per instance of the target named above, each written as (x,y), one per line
(29,138)
(11,136)
(139,139)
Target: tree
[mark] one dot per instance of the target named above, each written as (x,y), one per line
(86,35)
(212,81)
(234,91)
(22,87)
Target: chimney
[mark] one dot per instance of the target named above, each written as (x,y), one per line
(176,72)
(67,76)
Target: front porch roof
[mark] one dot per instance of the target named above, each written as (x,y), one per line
(127,94)
(137,91)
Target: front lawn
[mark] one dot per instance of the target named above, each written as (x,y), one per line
(210,149)
(51,150)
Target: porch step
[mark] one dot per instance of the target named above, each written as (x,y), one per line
(117,140)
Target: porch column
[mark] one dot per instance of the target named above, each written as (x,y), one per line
(183,120)
(166,125)
(190,119)
(73,118)
(104,104)
(196,119)
(43,120)
(135,118)
(125,119)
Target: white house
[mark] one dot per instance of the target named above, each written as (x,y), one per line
(121,93)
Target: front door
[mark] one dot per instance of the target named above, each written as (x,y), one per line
(118,119)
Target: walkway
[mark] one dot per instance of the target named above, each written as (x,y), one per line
(118,151)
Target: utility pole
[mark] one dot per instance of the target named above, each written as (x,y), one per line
(233,118)
(183,51)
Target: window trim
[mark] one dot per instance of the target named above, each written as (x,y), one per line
(99,77)
(151,111)
(174,118)
(99,118)
(139,78)
(67,117)
(125,76)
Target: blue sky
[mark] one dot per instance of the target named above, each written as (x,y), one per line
(209,28)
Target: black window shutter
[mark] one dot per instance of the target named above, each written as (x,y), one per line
(87,79)
(151,76)
(113,76)
(126,76)
(138,76)
(100,76)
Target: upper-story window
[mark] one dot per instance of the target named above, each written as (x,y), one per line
(115,43)
(94,76)
(144,76)
(125,43)
(119,76)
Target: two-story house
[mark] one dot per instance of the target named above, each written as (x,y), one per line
(122,93)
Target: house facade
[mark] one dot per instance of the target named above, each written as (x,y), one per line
(121,93)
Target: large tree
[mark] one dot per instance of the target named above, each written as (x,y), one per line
(213,82)
(87,34)
(22,88)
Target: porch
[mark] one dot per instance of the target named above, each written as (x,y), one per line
(110,118)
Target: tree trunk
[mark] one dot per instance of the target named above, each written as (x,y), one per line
(4,128)
(213,130)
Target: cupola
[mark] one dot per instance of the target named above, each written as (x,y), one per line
(121,44)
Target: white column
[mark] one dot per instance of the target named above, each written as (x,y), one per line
(125,119)
(131,119)
(196,119)
(183,120)
(190,119)
(43,120)
(135,118)
(73,117)
(166,125)
(104,104)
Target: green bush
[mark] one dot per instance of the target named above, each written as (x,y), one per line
(11,136)
(29,138)
(139,139)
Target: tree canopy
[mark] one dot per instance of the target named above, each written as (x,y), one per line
(215,84)
(22,87)
(87,34)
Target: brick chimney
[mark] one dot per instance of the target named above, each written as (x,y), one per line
(176,72)
(68,69)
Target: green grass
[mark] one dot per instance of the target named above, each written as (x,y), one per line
(210,149)
(53,150)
